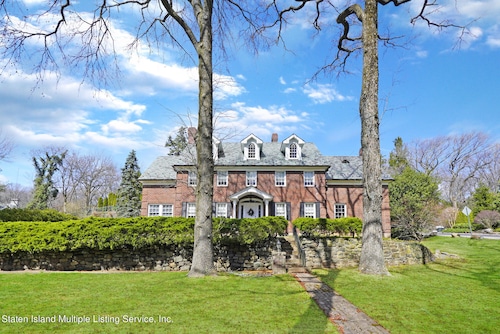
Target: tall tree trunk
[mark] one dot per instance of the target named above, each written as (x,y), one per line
(372,254)
(203,259)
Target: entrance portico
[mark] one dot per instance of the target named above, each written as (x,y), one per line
(250,203)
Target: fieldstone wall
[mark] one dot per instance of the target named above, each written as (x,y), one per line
(319,253)
(228,258)
(345,252)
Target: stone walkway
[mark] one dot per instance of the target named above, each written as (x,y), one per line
(347,317)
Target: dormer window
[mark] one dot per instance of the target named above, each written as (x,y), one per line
(251,147)
(251,151)
(293,151)
(292,147)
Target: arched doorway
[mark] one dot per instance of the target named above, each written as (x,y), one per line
(250,203)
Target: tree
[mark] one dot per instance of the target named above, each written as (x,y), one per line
(398,158)
(483,199)
(70,37)
(414,198)
(177,144)
(6,147)
(128,202)
(45,191)
(372,256)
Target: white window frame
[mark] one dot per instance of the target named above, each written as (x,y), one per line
(293,151)
(309,180)
(280,179)
(280,210)
(310,210)
(221,210)
(252,151)
(190,210)
(340,210)
(166,210)
(192,178)
(251,179)
(222,178)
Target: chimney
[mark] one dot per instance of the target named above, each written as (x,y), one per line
(274,138)
(191,132)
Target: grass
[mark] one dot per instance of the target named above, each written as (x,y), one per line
(448,296)
(221,304)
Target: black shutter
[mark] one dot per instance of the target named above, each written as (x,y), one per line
(272,208)
(301,209)
(318,210)
(288,211)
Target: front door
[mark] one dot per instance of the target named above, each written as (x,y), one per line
(251,210)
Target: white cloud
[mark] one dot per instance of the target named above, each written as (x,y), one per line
(324,93)
(282,81)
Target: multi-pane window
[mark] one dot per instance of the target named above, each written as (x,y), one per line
(280,210)
(251,151)
(308,179)
(161,210)
(293,151)
(191,210)
(222,178)
(221,210)
(340,210)
(192,178)
(252,179)
(310,210)
(280,179)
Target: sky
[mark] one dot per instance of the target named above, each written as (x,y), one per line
(431,84)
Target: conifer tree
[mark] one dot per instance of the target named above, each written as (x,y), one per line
(128,202)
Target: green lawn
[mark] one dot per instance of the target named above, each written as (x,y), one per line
(448,296)
(222,304)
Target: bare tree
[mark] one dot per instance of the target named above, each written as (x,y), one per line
(458,161)
(359,33)
(6,147)
(72,37)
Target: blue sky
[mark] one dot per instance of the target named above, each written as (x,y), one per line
(429,87)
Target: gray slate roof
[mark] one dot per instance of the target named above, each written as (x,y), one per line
(231,154)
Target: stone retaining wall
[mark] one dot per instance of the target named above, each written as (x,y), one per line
(320,253)
(345,252)
(228,258)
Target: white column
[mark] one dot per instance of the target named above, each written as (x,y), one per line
(235,203)
(267,207)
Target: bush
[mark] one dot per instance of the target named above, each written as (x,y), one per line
(119,233)
(33,215)
(488,219)
(325,226)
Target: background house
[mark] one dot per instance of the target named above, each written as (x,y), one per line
(254,178)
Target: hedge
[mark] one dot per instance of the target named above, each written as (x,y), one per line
(326,226)
(118,233)
(28,215)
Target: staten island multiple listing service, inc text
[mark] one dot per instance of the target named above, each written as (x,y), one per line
(79,319)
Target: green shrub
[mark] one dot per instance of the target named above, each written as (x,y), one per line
(33,215)
(138,232)
(325,226)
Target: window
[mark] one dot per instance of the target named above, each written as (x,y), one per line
(308,179)
(340,211)
(251,179)
(221,210)
(222,178)
(192,178)
(280,179)
(280,210)
(191,210)
(166,210)
(310,210)
(251,151)
(293,151)
(153,209)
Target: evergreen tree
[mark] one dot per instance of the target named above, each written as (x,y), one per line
(398,158)
(111,199)
(45,191)
(128,203)
(100,202)
(483,199)
(177,144)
